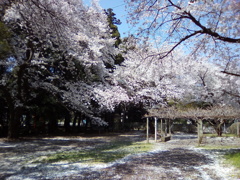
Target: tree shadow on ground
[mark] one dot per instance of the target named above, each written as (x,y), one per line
(32,146)
(182,159)
(175,158)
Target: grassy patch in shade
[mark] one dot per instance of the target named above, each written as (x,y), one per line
(102,154)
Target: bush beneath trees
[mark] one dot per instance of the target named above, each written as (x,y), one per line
(233,128)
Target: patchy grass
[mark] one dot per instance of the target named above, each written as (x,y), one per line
(223,135)
(234,159)
(102,154)
(230,154)
(217,147)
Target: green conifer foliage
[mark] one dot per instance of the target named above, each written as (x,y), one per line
(113,22)
(5,48)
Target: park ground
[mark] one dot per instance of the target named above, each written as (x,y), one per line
(179,158)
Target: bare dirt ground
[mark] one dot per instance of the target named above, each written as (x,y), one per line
(176,159)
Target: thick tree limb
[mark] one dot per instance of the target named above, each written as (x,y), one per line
(230,73)
(232,94)
(210,32)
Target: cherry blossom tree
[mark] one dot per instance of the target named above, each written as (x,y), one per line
(205,82)
(196,47)
(152,81)
(61,47)
(178,77)
(146,79)
(199,28)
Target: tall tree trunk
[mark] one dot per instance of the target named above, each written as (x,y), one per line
(53,124)
(219,128)
(75,120)
(14,123)
(67,121)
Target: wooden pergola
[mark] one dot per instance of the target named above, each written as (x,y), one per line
(161,114)
(197,114)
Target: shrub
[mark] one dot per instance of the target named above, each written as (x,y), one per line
(233,128)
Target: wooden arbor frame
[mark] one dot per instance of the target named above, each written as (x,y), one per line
(164,135)
(198,114)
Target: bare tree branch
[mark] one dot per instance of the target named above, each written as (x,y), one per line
(181,41)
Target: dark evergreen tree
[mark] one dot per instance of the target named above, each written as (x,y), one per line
(113,22)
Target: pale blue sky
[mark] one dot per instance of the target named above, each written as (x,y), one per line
(118,7)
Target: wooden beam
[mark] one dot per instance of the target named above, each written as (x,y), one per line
(170,133)
(161,127)
(200,131)
(155,129)
(238,128)
(147,130)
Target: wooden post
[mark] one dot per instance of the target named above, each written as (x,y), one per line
(170,133)
(166,127)
(238,128)
(147,130)
(155,129)
(224,128)
(161,127)
(200,131)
